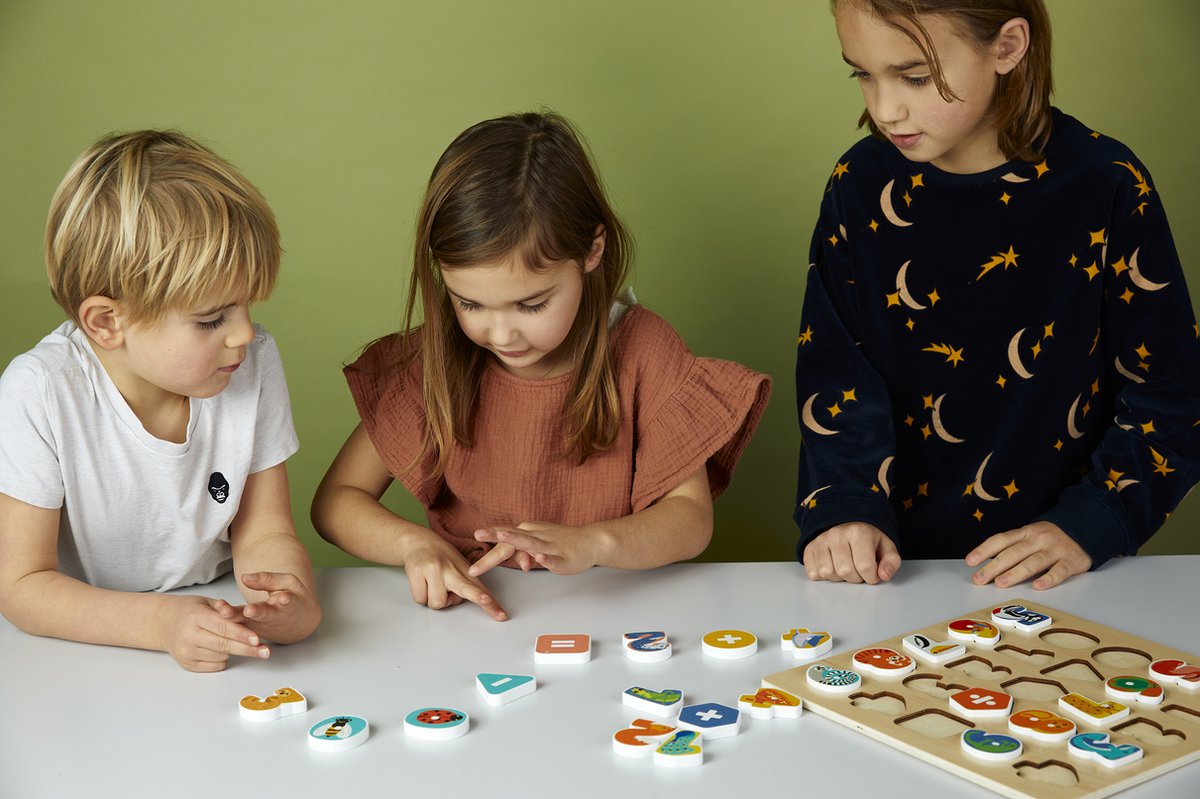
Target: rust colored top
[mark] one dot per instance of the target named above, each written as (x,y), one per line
(677,412)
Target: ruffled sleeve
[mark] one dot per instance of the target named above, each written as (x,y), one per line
(389,402)
(689,411)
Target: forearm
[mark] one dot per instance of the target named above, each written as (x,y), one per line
(48,603)
(675,528)
(356,522)
(279,552)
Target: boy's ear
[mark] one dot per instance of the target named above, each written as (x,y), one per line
(101,319)
(1011,45)
(597,252)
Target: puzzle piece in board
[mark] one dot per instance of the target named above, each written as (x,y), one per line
(974,631)
(1177,672)
(1098,747)
(647,647)
(991,746)
(437,723)
(1102,714)
(1135,689)
(284,702)
(932,651)
(338,733)
(500,689)
(884,662)
(1019,617)
(569,648)
(832,681)
(1042,725)
(981,703)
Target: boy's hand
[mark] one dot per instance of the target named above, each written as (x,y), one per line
(439,577)
(290,610)
(854,553)
(201,633)
(1039,548)
(557,547)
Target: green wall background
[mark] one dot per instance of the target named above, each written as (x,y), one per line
(715,125)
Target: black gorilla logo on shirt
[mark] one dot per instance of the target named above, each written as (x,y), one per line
(218,486)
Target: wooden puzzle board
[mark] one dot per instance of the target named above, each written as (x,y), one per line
(1071,655)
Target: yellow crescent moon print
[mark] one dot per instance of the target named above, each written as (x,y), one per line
(938,427)
(1138,279)
(1121,370)
(806,415)
(811,500)
(1124,484)
(902,287)
(1014,356)
(1072,430)
(977,487)
(885,205)
(883,473)
(1013,177)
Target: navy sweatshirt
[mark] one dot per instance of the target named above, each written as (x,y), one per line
(978,352)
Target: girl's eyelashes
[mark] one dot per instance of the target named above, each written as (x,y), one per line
(916,81)
(522,307)
(213,324)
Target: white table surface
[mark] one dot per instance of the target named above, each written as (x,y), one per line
(92,721)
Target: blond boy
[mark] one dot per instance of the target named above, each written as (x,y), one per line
(142,443)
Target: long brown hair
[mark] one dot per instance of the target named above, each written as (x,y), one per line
(520,186)
(1022,100)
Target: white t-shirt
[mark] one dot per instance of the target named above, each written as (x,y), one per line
(138,513)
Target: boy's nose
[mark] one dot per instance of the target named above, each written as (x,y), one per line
(241,328)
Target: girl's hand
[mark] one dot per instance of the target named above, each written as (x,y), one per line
(500,555)
(290,611)
(439,577)
(201,633)
(1040,548)
(560,548)
(852,553)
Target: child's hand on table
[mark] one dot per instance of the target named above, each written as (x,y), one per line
(559,548)
(854,553)
(439,577)
(289,612)
(1038,548)
(202,633)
